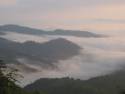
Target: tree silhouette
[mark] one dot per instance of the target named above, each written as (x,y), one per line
(7,79)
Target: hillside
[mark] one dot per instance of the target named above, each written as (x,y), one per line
(43,54)
(109,84)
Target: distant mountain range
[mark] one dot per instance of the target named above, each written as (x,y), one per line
(27,30)
(44,54)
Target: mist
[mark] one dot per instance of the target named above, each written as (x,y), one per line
(99,56)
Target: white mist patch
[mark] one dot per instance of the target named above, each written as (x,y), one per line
(80,67)
(17,37)
(83,66)
(107,44)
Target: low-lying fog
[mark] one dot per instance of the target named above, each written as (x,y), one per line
(99,56)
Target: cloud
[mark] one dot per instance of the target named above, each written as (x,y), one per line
(99,57)
(7,2)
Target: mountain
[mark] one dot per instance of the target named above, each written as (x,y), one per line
(109,84)
(21,29)
(27,30)
(43,54)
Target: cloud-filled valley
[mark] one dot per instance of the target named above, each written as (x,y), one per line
(62,46)
(84,58)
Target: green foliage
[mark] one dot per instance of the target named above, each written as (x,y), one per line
(8,79)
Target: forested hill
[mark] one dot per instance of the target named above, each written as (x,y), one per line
(110,84)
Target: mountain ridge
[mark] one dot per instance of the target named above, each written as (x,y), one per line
(45,54)
(33,31)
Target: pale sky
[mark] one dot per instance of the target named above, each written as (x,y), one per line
(96,15)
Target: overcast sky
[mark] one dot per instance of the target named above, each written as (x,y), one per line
(98,15)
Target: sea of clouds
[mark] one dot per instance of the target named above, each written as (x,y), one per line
(99,56)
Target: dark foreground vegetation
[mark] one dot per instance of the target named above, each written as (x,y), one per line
(110,84)
(8,79)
